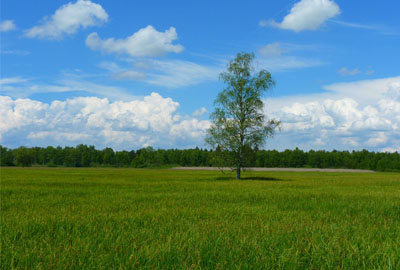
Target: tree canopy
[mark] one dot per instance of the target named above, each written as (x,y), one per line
(89,156)
(238,122)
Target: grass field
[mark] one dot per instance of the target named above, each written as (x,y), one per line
(165,219)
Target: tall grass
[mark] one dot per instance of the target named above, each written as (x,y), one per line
(164,219)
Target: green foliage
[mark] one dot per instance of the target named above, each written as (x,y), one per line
(24,156)
(238,122)
(88,156)
(167,219)
(6,157)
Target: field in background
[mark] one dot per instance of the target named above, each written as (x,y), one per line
(168,219)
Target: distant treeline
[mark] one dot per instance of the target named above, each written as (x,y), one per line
(89,156)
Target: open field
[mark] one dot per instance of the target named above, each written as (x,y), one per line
(170,219)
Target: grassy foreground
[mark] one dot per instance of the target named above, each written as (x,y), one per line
(165,219)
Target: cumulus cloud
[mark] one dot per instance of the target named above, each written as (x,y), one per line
(7,25)
(364,91)
(153,120)
(145,42)
(307,15)
(353,115)
(379,139)
(341,119)
(68,19)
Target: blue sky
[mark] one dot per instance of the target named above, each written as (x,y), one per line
(128,74)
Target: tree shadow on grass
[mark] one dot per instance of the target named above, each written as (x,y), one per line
(254,178)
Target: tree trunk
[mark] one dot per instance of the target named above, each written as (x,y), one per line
(238,172)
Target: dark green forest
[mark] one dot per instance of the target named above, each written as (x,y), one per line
(89,156)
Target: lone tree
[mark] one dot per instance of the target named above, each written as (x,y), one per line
(238,122)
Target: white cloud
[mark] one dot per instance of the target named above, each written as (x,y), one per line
(16,52)
(200,112)
(272,49)
(344,71)
(377,140)
(7,25)
(358,25)
(165,73)
(369,72)
(68,19)
(152,120)
(109,91)
(58,136)
(129,74)
(12,80)
(351,141)
(365,91)
(145,42)
(272,57)
(19,87)
(190,129)
(263,23)
(356,115)
(286,62)
(382,29)
(308,15)
(392,149)
(119,73)
(178,73)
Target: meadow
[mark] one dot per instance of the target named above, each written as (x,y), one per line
(86,218)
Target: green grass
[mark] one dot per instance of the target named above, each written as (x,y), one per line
(164,219)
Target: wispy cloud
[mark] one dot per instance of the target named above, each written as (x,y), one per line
(357,25)
(274,57)
(344,71)
(13,80)
(19,87)
(369,72)
(374,27)
(200,112)
(272,49)
(165,73)
(15,52)
(178,73)
(119,73)
(7,25)
(284,63)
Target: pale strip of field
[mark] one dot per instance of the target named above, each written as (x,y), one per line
(275,169)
